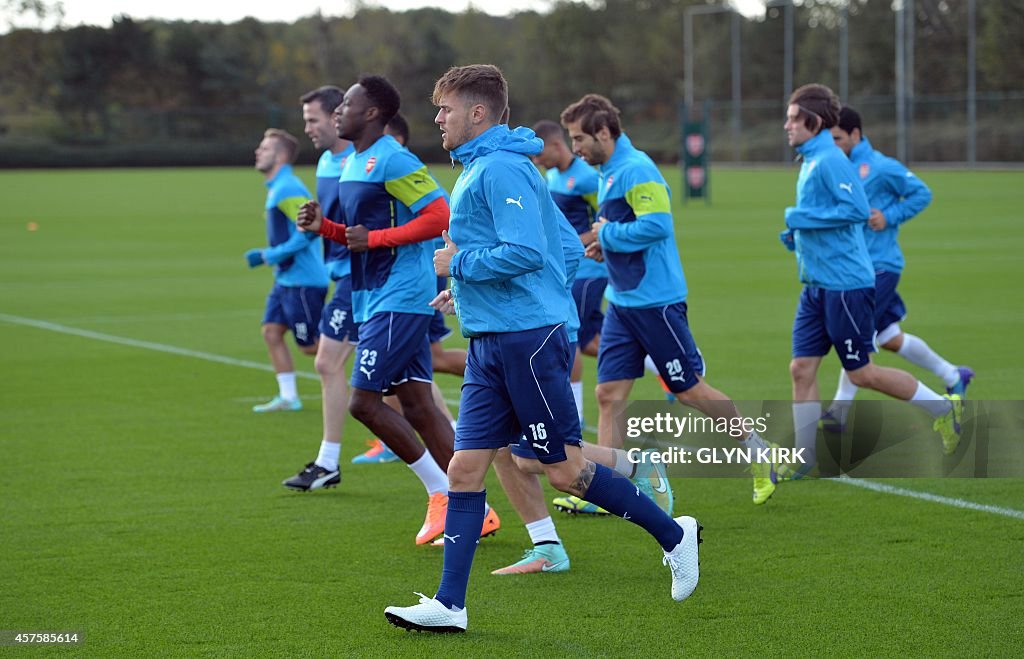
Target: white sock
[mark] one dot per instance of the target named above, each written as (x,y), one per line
(846,391)
(930,401)
(286,386)
(328,458)
(916,351)
(650,365)
(430,474)
(623,465)
(805,424)
(543,530)
(577,394)
(754,442)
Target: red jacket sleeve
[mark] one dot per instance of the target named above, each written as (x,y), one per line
(431,221)
(333,231)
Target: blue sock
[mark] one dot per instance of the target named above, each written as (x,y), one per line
(619,496)
(462,527)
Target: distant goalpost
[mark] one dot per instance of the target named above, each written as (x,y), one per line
(904,30)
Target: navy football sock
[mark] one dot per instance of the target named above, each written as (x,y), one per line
(619,496)
(462,527)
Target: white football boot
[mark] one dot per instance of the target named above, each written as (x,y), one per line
(683,559)
(428,616)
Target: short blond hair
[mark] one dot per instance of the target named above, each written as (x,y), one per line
(477,83)
(286,141)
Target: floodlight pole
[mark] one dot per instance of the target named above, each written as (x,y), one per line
(688,47)
(844,52)
(901,99)
(787,57)
(736,70)
(736,86)
(688,58)
(787,72)
(911,20)
(972,109)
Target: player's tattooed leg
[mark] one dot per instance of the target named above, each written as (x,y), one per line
(580,486)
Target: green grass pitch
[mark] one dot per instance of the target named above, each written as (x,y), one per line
(141,501)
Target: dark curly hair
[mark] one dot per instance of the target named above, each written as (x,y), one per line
(382,95)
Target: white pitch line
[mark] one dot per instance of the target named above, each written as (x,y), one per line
(147,345)
(166,317)
(928,496)
(231,361)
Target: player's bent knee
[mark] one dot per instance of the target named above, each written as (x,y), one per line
(606,395)
(699,391)
(801,370)
(463,476)
(273,333)
(894,344)
(890,338)
(358,410)
(561,480)
(309,350)
(363,405)
(565,476)
(326,365)
(528,466)
(331,356)
(863,377)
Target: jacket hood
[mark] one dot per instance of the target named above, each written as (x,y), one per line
(861,150)
(521,140)
(623,149)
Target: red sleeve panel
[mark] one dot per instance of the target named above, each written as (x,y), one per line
(431,221)
(334,231)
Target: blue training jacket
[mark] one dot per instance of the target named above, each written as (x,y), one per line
(382,187)
(828,219)
(894,190)
(575,194)
(297,256)
(509,274)
(639,242)
(328,173)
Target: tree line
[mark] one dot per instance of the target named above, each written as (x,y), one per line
(216,86)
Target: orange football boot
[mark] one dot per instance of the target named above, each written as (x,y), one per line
(433,525)
(491,525)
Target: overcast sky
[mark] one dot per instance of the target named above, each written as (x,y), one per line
(100,12)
